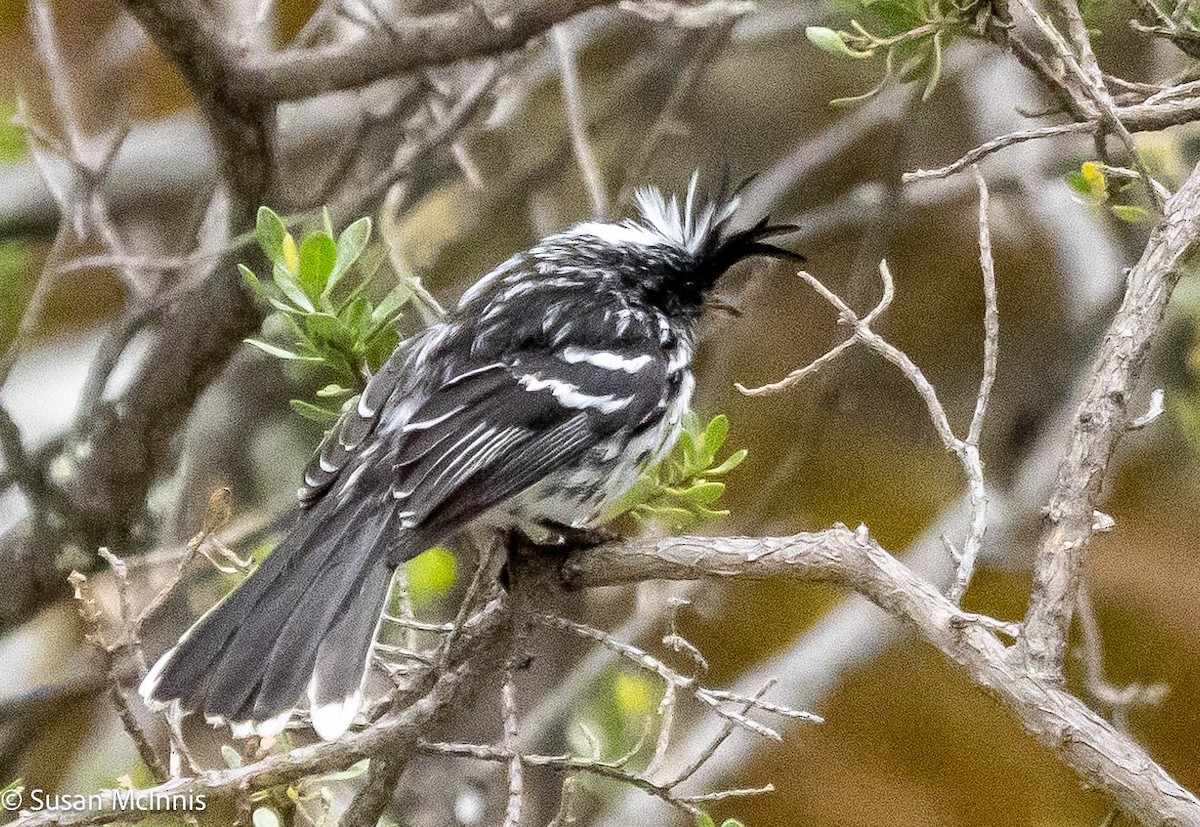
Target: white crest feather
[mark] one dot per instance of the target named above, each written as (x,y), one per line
(663,222)
(687,228)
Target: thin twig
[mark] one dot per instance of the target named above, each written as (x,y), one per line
(93,618)
(708,48)
(570,764)
(711,698)
(995,145)
(564,53)
(812,367)
(1101,422)
(727,730)
(1119,699)
(969,452)
(508,696)
(1084,741)
(411,153)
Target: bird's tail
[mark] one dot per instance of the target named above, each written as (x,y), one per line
(306,618)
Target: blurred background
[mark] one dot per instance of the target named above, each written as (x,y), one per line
(721,87)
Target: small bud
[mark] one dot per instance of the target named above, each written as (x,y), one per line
(291,256)
(832,42)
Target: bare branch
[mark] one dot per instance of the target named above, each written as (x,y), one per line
(995,145)
(434,40)
(811,368)
(991,313)
(1102,420)
(710,697)
(715,744)
(411,153)
(1093,748)
(966,450)
(686,81)
(384,737)
(969,452)
(508,696)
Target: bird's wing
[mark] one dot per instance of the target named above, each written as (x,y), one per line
(489,432)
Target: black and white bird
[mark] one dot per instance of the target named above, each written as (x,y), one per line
(535,405)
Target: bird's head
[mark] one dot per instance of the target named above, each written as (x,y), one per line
(674,254)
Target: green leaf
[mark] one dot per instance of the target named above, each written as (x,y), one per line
(914,67)
(270,231)
(357,316)
(284,307)
(672,516)
(252,281)
(291,256)
(735,459)
(702,493)
(350,245)
(681,491)
(1131,214)
(705,820)
(17,278)
(322,416)
(1078,182)
(641,492)
(12,137)
(329,330)
(935,74)
(292,290)
(635,693)
(335,390)
(732,822)
(715,434)
(388,308)
(318,255)
(832,42)
(280,353)
(688,449)
(379,345)
(1093,173)
(900,16)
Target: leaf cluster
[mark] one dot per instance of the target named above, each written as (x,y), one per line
(683,489)
(911,35)
(1126,200)
(322,318)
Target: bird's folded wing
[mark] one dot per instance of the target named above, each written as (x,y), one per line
(494,430)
